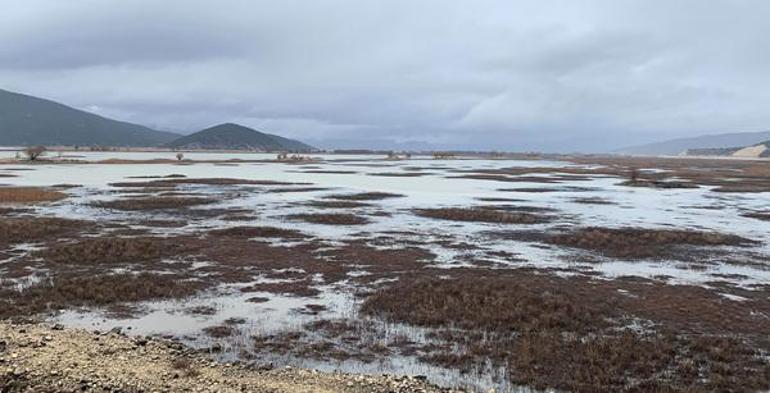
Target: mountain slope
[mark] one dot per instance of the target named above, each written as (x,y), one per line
(717,141)
(27,120)
(231,136)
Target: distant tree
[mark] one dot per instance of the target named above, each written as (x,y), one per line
(179,156)
(633,175)
(34,152)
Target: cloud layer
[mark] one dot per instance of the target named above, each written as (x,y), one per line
(515,75)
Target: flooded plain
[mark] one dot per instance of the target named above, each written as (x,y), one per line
(475,272)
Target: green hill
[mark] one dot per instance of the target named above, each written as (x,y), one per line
(27,120)
(231,136)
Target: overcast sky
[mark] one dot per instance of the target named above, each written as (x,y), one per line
(516,75)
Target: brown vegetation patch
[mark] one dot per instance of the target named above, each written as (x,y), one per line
(108,250)
(339,340)
(296,189)
(66,186)
(377,262)
(171,176)
(29,195)
(632,363)
(662,184)
(743,188)
(331,219)
(593,201)
(146,184)
(503,305)
(299,288)
(201,310)
(259,232)
(569,333)
(35,229)
(101,290)
(539,190)
(219,331)
(764,216)
(477,214)
(329,172)
(505,178)
(641,242)
(337,204)
(365,196)
(496,199)
(153,203)
(399,174)
(724,175)
(204,181)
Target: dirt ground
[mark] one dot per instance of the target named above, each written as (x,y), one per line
(42,358)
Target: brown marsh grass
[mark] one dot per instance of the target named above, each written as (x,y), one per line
(331,218)
(204,181)
(108,250)
(570,334)
(641,242)
(34,229)
(99,290)
(337,204)
(365,196)
(764,216)
(29,195)
(153,203)
(479,214)
(257,232)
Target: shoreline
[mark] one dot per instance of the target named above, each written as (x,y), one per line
(41,357)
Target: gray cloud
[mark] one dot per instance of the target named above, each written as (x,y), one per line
(520,75)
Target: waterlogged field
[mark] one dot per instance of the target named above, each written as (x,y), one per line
(584,274)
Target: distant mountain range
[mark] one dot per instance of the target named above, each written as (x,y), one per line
(757,150)
(701,143)
(27,120)
(231,136)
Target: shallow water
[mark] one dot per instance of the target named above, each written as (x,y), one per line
(698,209)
